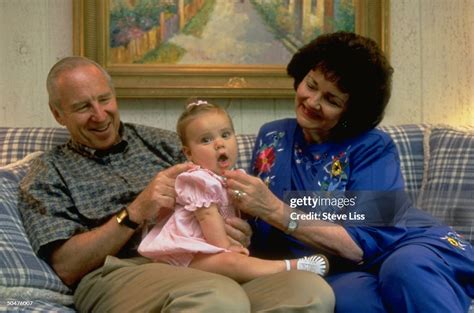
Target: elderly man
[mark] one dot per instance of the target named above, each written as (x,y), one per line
(84,205)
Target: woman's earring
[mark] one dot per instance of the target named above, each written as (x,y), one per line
(344,124)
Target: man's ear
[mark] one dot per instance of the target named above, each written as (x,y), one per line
(58,116)
(187,153)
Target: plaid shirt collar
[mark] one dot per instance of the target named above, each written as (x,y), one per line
(94,153)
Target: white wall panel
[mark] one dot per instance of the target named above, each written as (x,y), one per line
(447,57)
(405,51)
(33,35)
(431,50)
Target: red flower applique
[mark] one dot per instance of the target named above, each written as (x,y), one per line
(265,160)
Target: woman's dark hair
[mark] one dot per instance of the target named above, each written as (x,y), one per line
(358,67)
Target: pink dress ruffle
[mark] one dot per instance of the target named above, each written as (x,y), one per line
(181,236)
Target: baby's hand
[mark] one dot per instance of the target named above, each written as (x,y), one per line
(239,249)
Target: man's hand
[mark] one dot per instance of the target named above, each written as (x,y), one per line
(160,193)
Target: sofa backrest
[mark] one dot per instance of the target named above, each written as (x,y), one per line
(16,143)
(437,163)
(409,141)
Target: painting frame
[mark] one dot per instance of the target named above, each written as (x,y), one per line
(90,39)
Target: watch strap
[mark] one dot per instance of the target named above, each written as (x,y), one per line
(123,218)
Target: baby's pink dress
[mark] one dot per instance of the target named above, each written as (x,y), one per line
(181,236)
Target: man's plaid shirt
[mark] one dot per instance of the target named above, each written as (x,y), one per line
(73,189)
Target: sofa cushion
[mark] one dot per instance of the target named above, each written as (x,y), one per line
(409,142)
(16,143)
(23,276)
(245,145)
(448,184)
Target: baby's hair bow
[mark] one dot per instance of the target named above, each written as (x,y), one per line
(198,103)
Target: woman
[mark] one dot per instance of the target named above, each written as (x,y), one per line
(387,256)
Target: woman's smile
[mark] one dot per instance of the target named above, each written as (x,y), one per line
(311,113)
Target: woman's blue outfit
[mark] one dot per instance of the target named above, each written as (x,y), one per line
(411,261)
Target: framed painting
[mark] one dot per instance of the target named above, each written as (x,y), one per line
(212,48)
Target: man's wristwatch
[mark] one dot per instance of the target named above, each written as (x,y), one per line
(292,225)
(124,219)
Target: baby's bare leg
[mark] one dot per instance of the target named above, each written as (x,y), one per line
(237,266)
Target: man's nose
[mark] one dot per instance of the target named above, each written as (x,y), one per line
(98,112)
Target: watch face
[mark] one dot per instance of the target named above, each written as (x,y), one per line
(121,216)
(123,219)
(292,224)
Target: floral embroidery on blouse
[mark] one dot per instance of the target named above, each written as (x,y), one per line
(266,155)
(455,240)
(310,163)
(335,177)
(265,160)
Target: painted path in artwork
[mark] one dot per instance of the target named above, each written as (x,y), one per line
(235,34)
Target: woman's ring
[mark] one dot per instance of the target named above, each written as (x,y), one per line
(238,194)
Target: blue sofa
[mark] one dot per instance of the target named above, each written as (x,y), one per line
(437,162)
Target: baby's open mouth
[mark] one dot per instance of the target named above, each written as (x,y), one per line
(223,161)
(222,158)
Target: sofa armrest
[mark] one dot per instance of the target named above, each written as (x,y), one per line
(23,275)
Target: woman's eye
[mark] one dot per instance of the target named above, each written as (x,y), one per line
(311,85)
(332,102)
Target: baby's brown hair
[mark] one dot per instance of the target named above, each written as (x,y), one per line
(193,109)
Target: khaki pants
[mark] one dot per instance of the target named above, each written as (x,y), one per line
(137,285)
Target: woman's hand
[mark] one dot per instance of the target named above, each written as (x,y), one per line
(238,231)
(251,195)
(240,250)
